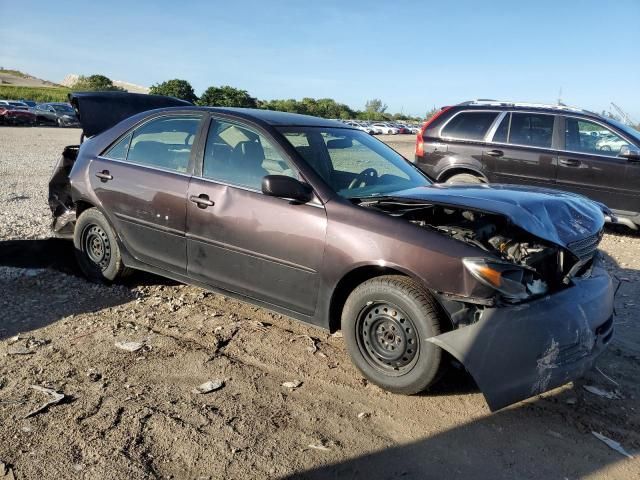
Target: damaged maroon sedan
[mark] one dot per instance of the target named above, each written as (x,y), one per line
(324,223)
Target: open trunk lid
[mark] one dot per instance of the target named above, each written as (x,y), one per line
(99,111)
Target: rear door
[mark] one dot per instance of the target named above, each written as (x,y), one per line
(142,183)
(589,164)
(522,149)
(241,240)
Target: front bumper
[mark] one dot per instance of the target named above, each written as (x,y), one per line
(519,351)
(70,122)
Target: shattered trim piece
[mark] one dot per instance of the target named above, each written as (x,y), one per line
(612,444)
(55,398)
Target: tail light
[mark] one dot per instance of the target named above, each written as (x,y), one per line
(425,125)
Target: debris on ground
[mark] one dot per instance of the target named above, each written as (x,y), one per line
(319,446)
(313,348)
(130,346)
(363,415)
(54,398)
(210,386)
(19,350)
(292,385)
(6,472)
(612,444)
(601,393)
(607,377)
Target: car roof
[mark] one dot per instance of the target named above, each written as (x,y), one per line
(274,118)
(483,104)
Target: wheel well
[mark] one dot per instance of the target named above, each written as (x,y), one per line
(347,284)
(446,175)
(81,206)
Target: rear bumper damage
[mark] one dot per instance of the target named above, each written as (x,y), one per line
(518,351)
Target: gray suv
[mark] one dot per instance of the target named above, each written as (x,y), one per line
(551,146)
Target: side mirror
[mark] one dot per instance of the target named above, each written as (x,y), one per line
(286,187)
(630,152)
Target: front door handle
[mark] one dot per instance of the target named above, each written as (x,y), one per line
(202,200)
(495,153)
(569,162)
(104,176)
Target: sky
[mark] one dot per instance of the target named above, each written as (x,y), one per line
(413,55)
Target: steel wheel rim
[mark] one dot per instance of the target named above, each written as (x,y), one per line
(387,338)
(97,246)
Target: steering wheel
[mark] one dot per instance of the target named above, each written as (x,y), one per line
(363,178)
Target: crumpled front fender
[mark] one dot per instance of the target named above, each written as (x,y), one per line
(519,351)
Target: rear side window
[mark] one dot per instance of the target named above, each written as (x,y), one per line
(469,125)
(531,129)
(164,142)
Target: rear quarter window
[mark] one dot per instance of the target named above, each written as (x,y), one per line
(469,125)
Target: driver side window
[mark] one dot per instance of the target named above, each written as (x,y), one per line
(589,137)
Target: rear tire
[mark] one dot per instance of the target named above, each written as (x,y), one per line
(464,178)
(385,322)
(96,248)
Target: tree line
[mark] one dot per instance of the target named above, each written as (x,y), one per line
(227,96)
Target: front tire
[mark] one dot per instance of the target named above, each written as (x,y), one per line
(385,322)
(96,248)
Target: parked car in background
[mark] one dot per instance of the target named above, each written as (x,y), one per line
(57,113)
(385,128)
(548,146)
(360,126)
(326,224)
(15,115)
(30,103)
(16,104)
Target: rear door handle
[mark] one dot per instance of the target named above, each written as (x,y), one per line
(202,200)
(104,176)
(495,153)
(569,162)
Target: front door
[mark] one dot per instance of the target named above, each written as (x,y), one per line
(590,165)
(238,239)
(142,183)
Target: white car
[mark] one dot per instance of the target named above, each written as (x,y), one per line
(385,129)
(361,126)
(610,143)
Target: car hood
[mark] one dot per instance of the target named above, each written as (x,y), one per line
(558,217)
(99,111)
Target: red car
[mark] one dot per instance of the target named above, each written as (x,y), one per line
(12,115)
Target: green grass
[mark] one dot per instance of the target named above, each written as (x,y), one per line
(37,94)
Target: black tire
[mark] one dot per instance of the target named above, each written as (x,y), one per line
(393,311)
(464,178)
(96,248)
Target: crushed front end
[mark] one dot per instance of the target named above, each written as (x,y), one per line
(535,314)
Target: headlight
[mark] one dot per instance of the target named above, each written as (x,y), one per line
(512,281)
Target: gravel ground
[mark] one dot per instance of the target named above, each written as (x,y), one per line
(135,415)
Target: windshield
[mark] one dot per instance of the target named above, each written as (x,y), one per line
(62,108)
(354,164)
(632,132)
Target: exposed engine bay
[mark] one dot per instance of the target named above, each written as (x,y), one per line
(543,266)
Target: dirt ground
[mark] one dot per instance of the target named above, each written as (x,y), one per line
(135,415)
